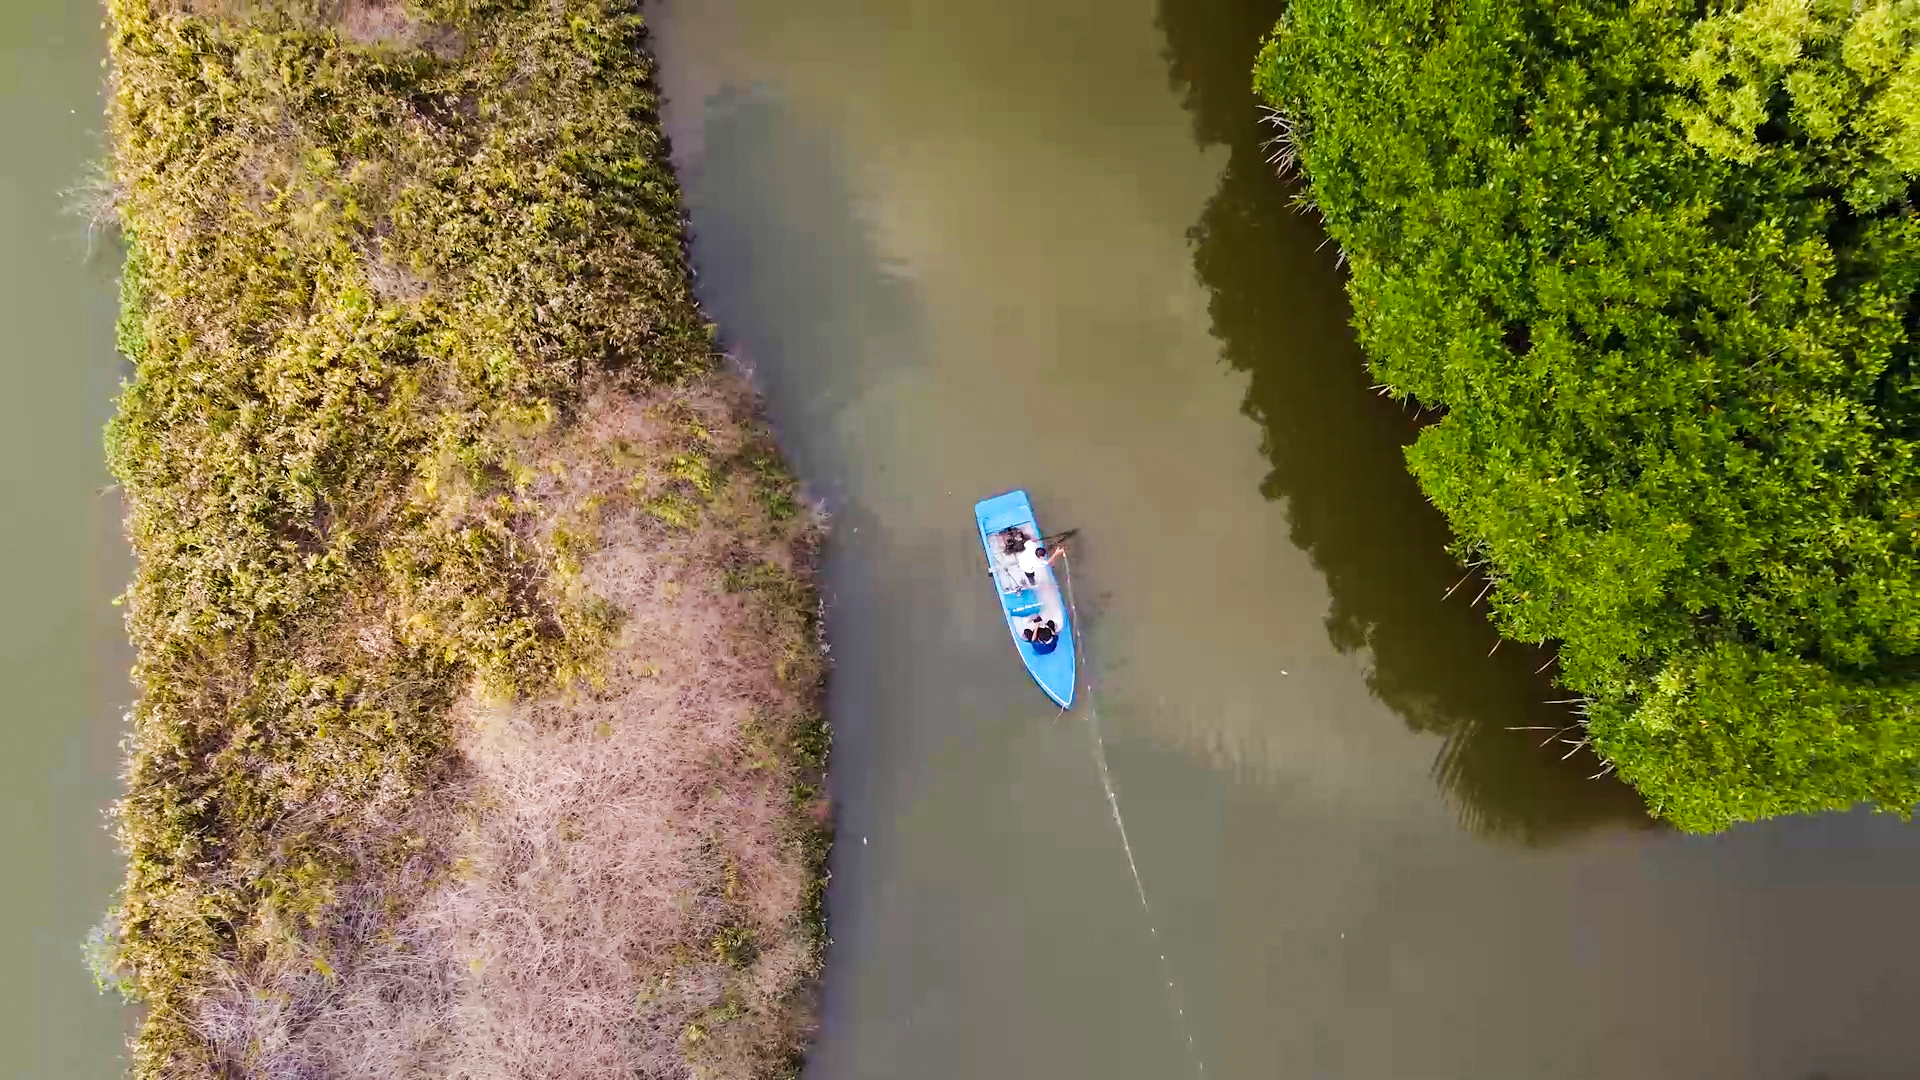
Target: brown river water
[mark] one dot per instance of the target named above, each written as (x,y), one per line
(63,663)
(1033,242)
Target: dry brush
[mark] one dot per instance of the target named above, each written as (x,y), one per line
(477,642)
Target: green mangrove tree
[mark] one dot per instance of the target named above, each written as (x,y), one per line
(1653,267)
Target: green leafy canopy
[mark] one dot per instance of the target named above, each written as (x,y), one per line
(1654,264)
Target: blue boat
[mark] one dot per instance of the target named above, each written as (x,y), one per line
(1035,607)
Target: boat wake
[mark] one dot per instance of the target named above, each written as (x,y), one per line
(1113,803)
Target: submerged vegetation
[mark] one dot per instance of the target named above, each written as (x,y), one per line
(1654,267)
(475,627)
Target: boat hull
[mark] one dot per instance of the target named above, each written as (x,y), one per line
(1051,666)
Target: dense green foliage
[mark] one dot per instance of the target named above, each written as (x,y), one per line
(372,258)
(1655,269)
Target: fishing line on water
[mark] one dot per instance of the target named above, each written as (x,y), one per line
(1113,803)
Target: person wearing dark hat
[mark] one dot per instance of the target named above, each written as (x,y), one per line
(1041,631)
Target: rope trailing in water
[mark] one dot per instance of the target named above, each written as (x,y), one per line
(1100,744)
(1113,798)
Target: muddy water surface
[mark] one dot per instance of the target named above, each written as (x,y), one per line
(1033,242)
(63,665)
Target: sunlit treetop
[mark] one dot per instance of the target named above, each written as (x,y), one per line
(1654,271)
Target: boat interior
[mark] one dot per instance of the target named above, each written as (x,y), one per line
(1025,600)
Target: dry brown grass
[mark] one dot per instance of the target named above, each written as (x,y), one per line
(364,21)
(376,21)
(611,882)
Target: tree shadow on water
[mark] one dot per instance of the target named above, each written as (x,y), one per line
(1280,311)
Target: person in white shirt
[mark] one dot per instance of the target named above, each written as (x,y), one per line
(1032,559)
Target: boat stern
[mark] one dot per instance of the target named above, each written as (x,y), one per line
(1054,670)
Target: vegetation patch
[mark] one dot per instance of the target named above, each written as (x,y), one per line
(435,485)
(1653,265)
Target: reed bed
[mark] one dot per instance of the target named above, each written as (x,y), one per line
(477,640)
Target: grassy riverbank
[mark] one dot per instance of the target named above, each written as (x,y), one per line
(476,635)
